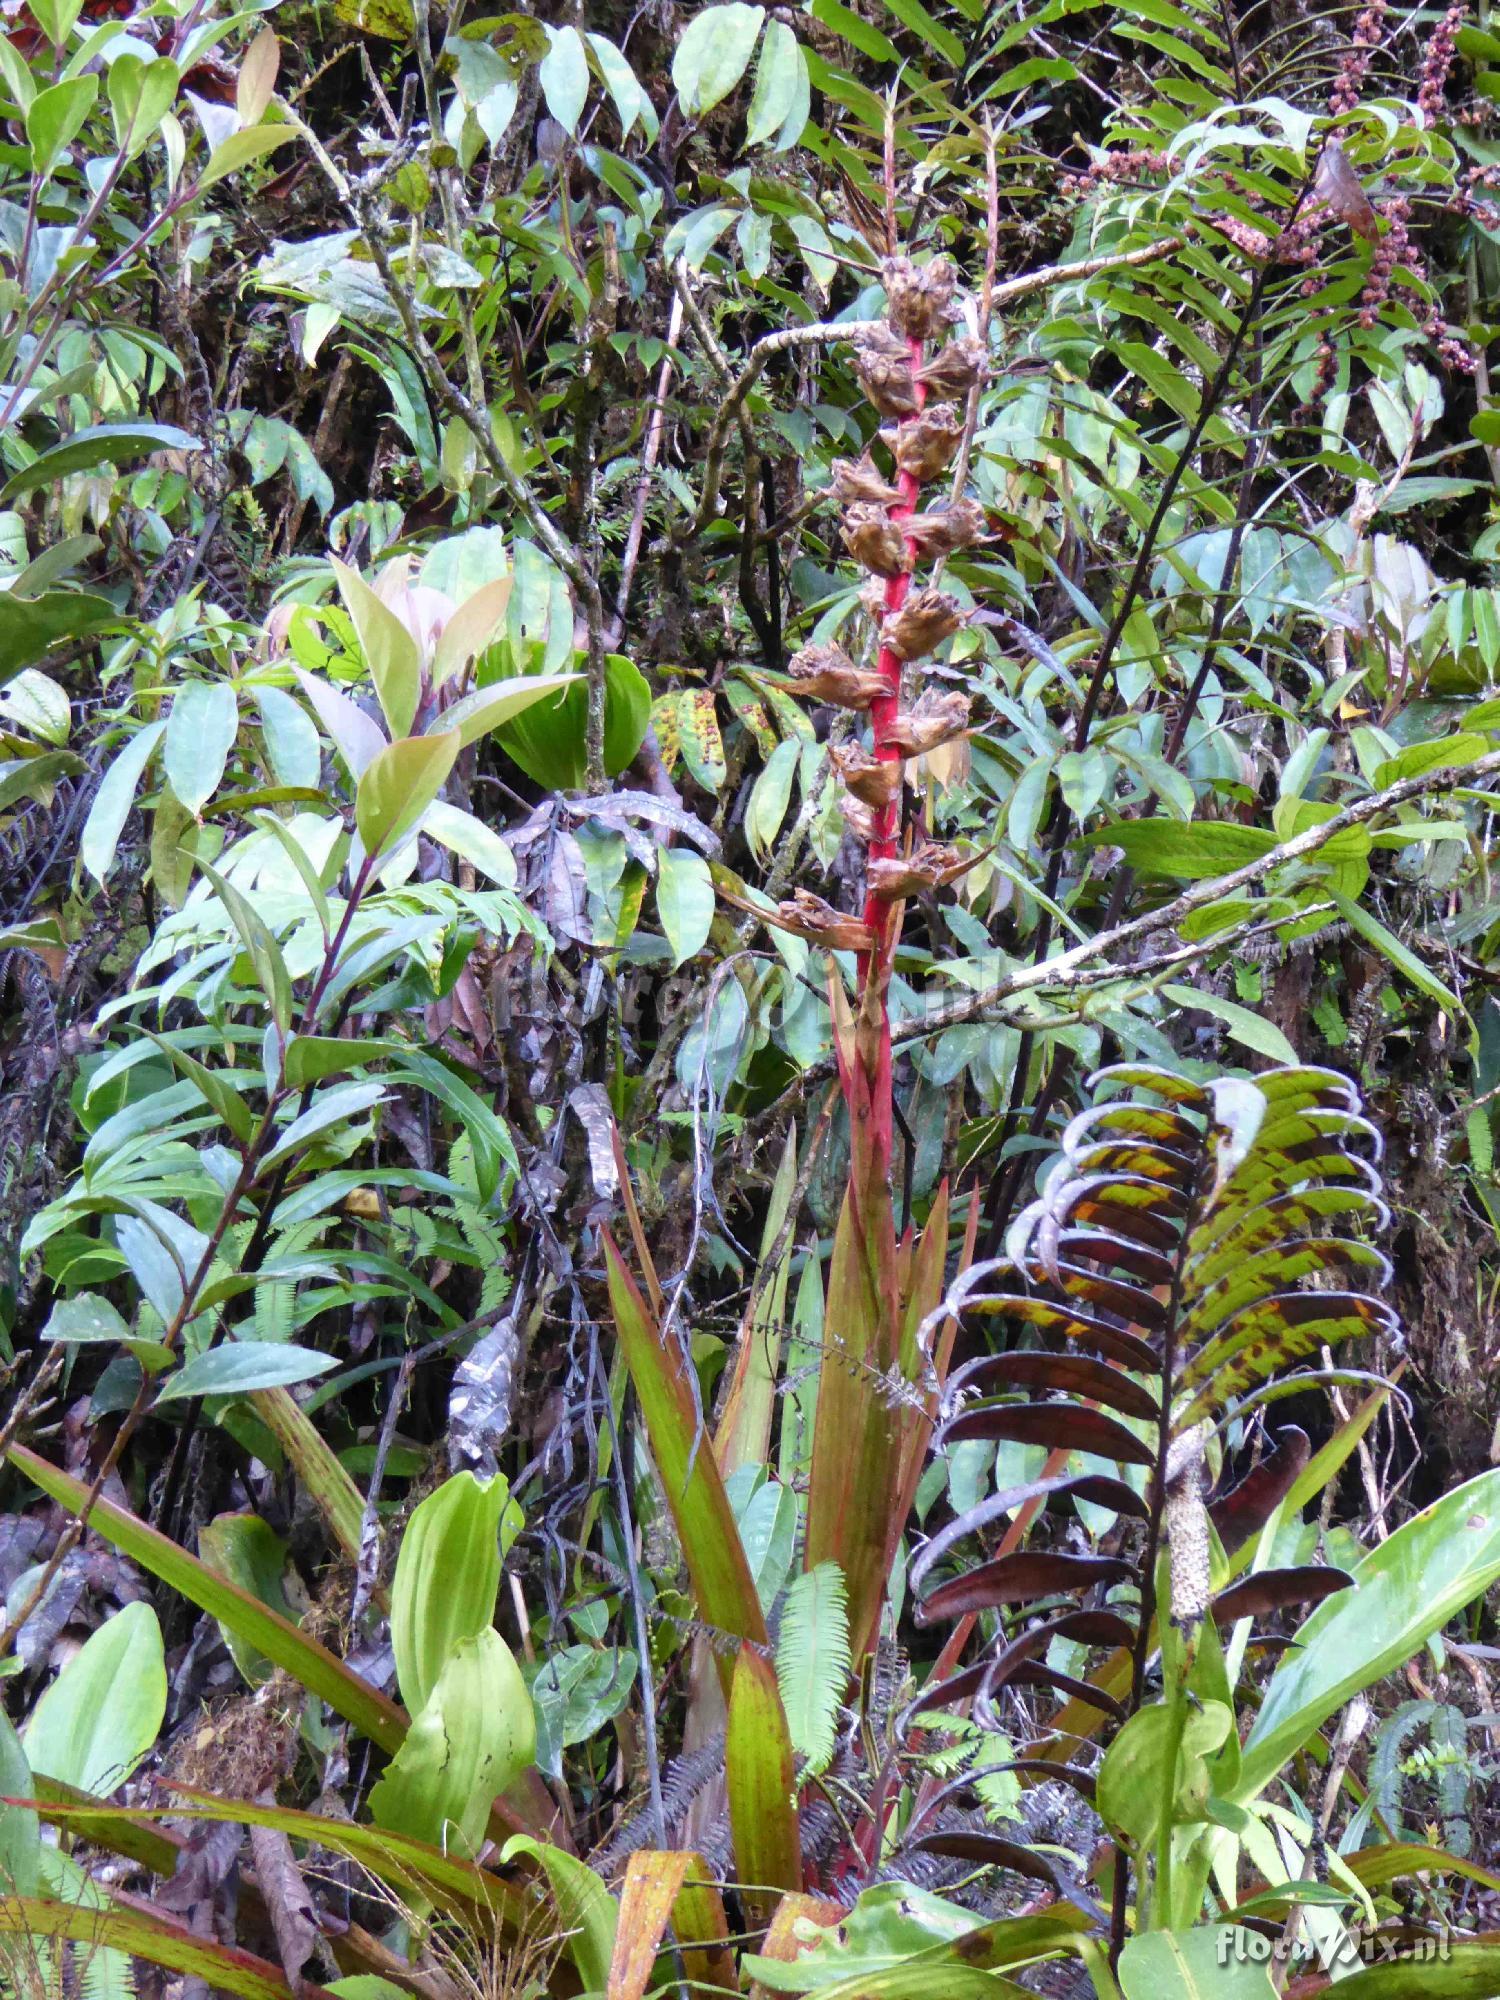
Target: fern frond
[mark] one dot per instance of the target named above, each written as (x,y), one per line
(813,1661)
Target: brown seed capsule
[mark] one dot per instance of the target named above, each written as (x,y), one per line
(808,916)
(912,874)
(923,622)
(937,718)
(875,541)
(882,361)
(920,299)
(945,529)
(872,782)
(925,447)
(826,673)
(856,479)
(957,368)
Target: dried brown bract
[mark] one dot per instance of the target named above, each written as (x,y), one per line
(927,618)
(826,673)
(882,361)
(808,916)
(871,780)
(945,529)
(875,541)
(920,297)
(937,718)
(959,367)
(932,864)
(925,447)
(856,479)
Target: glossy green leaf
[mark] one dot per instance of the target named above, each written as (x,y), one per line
(447,1577)
(100,1716)
(249,1552)
(475,715)
(85,1316)
(1194,853)
(240,149)
(1454,1970)
(564,77)
(684,901)
(1244,1024)
(714,53)
(238,1366)
(264,951)
(1404,1591)
(54,119)
(390,650)
(781,101)
(474,1736)
(19,1827)
(1216,1962)
(292,746)
(113,800)
(399,786)
(548,740)
(98,444)
(140,1934)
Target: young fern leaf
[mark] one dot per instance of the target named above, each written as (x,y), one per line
(813,1662)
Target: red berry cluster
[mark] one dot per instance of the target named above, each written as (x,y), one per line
(1349,84)
(1438,60)
(1112,168)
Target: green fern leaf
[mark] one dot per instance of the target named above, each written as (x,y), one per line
(813,1662)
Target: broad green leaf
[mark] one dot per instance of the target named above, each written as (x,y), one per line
(215,1090)
(782,98)
(478,713)
(31,777)
(34,702)
(240,148)
(292,747)
(113,800)
(310,1664)
(239,1366)
(141,93)
(356,736)
(100,444)
(200,735)
(390,650)
(86,1316)
(463,834)
(684,901)
(250,1553)
(399,786)
(54,119)
(474,1737)
(770,797)
(1196,852)
(447,1577)
(548,740)
(630,100)
(1244,1024)
(1140,1767)
(1215,1962)
(312,1058)
(100,1716)
(564,77)
(714,54)
(327,1109)
(1403,1592)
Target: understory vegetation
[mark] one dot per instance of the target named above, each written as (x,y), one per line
(749,1000)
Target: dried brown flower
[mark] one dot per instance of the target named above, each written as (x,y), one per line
(856,479)
(875,540)
(923,622)
(920,298)
(929,867)
(826,673)
(926,446)
(808,916)
(937,718)
(873,781)
(957,368)
(882,361)
(945,529)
